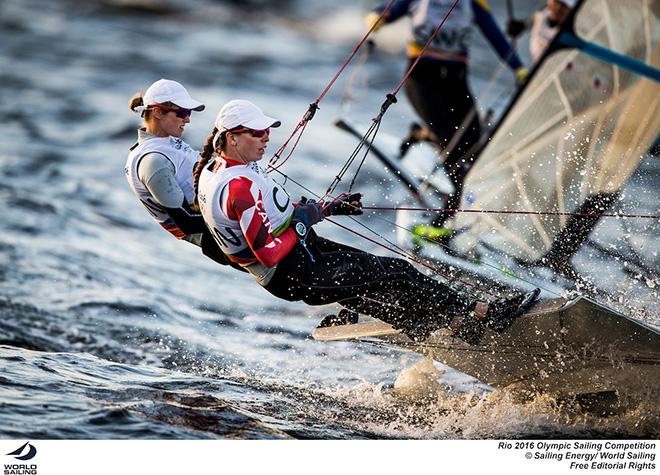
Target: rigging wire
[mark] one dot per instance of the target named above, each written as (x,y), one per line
(400,251)
(493,211)
(394,247)
(417,260)
(314,106)
(390,99)
(357,75)
(369,136)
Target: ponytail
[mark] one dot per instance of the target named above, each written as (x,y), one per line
(204,157)
(136,104)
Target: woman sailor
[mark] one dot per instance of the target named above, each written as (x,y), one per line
(159,165)
(257,225)
(544,25)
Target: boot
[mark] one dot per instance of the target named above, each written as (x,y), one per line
(418,328)
(344,317)
(502,312)
(469,328)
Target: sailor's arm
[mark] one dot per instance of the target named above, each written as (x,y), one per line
(157,173)
(398,9)
(248,210)
(488,26)
(515,27)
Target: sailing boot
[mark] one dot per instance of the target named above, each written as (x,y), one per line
(502,312)
(469,328)
(498,316)
(419,327)
(344,317)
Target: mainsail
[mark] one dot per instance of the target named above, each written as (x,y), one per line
(571,139)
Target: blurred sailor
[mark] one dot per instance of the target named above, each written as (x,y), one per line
(438,88)
(544,25)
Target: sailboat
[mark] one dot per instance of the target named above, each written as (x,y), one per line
(568,142)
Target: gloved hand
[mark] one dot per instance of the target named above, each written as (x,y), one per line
(515,28)
(307,212)
(372,19)
(521,75)
(344,205)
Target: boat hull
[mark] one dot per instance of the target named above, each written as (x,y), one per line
(563,347)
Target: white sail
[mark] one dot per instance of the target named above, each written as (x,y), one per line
(579,129)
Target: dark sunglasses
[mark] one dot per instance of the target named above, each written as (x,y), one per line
(180,112)
(252,132)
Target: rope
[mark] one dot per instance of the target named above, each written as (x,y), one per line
(398,250)
(370,135)
(537,213)
(314,106)
(349,94)
(390,99)
(416,259)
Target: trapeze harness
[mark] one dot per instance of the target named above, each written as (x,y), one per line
(182,156)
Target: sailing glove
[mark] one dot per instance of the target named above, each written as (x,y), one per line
(372,21)
(344,205)
(307,212)
(515,28)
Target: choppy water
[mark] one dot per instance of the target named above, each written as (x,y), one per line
(112,329)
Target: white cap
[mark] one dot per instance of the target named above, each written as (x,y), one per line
(166,90)
(569,3)
(243,113)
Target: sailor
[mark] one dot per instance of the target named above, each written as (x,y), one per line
(160,164)
(259,227)
(544,25)
(437,87)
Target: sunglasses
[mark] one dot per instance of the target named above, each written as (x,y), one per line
(254,133)
(180,112)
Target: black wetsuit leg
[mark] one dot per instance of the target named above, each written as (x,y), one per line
(386,288)
(439,93)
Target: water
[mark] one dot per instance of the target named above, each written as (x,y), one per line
(112,329)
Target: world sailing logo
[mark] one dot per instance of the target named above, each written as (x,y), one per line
(32,451)
(23,455)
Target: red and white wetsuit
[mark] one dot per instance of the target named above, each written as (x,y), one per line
(248,214)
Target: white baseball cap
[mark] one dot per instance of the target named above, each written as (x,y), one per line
(243,113)
(569,3)
(166,90)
